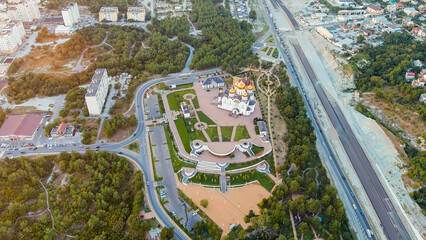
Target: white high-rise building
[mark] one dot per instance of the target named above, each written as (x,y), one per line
(97,92)
(12,33)
(25,11)
(70,14)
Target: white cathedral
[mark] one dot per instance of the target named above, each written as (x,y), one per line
(239,99)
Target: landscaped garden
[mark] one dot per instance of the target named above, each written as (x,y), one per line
(226,133)
(204,118)
(187,131)
(176,162)
(213,134)
(256,149)
(250,176)
(241,133)
(176,98)
(206,179)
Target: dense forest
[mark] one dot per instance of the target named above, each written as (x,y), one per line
(99,197)
(225,41)
(319,206)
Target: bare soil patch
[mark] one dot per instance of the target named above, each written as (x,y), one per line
(121,134)
(229,208)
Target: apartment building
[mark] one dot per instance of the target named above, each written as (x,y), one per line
(70,14)
(136,14)
(97,92)
(25,11)
(12,33)
(108,14)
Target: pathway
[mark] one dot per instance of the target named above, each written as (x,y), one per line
(234,130)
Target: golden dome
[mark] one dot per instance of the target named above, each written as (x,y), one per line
(232,91)
(245,94)
(236,84)
(250,87)
(241,84)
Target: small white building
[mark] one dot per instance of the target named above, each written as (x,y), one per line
(423,98)
(70,14)
(97,92)
(213,82)
(62,30)
(185,110)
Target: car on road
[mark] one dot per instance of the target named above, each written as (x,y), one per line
(353,205)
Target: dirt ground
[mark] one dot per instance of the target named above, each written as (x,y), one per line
(229,208)
(397,116)
(23,110)
(40,61)
(121,134)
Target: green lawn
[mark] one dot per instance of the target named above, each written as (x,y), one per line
(206,179)
(252,175)
(275,53)
(186,85)
(256,149)
(269,51)
(184,128)
(183,133)
(134,146)
(268,158)
(204,118)
(265,49)
(176,98)
(195,102)
(226,133)
(160,104)
(213,135)
(176,162)
(241,133)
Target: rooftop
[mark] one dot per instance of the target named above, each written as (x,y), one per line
(69,6)
(96,80)
(109,10)
(135,9)
(20,125)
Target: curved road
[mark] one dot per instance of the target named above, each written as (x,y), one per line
(142,159)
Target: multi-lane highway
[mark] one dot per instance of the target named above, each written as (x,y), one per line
(142,159)
(390,221)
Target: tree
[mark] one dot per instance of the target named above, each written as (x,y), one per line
(294,186)
(242,234)
(167,233)
(204,203)
(252,14)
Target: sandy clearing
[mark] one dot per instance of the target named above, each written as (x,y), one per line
(229,208)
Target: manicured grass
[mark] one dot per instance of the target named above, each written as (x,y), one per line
(275,53)
(252,175)
(241,133)
(176,162)
(156,177)
(268,158)
(161,104)
(256,149)
(204,118)
(226,133)
(186,85)
(269,51)
(213,135)
(176,98)
(134,146)
(185,133)
(206,179)
(195,102)
(193,133)
(265,49)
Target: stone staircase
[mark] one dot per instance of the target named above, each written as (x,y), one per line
(208,166)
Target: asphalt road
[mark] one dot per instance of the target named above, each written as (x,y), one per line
(356,217)
(391,223)
(142,159)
